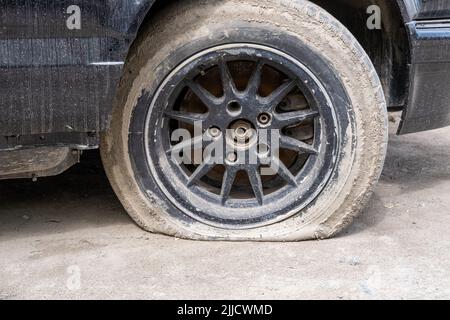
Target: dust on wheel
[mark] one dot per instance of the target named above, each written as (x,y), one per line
(229,129)
(242,89)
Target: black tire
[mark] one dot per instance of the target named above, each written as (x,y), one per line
(353,121)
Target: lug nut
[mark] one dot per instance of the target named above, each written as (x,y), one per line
(264,118)
(214,132)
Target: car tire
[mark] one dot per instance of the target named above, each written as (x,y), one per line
(299,42)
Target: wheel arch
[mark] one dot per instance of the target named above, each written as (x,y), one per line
(388,48)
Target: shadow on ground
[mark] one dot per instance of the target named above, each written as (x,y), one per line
(415,175)
(78,198)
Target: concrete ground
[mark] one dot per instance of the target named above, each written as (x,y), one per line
(68,237)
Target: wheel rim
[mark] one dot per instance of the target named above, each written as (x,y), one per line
(262,136)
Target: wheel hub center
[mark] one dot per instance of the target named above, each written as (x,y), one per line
(242,133)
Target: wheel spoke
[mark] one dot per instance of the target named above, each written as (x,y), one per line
(227,184)
(255,180)
(186,117)
(229,87)
(201,171)
(296,145)
(280,93)
(284,172)
(295,117)
(190,144)
(264,146)
(255,80)
(204,95)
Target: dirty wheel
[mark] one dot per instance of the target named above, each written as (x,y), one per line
(241,131)
(265,139)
